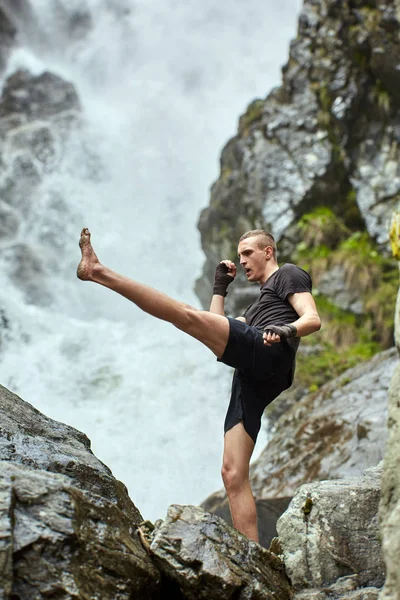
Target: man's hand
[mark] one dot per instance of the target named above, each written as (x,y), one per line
(275,333)
(225,273)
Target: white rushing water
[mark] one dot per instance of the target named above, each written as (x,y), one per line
(162,84)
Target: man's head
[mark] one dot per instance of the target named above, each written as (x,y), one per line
(257,254)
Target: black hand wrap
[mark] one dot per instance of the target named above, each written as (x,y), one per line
(284,331)
(221,280)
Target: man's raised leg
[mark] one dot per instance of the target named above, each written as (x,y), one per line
(238,448)
(209,328)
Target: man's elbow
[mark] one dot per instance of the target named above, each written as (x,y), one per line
(316,323)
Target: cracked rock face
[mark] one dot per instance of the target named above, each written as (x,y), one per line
(29,438)
(57,541)
(331,530)
(328,136)
(211,561)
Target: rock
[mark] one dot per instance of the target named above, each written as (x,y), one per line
(334,433)
(327,137)
(331,530)
(30,439)
(389,509)
(369,593)
(211,561)
(58,541)
(30,98)
(7,37)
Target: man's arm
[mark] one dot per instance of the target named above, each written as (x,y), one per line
(308,321)
(224,275)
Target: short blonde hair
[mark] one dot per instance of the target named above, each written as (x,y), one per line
(266,239)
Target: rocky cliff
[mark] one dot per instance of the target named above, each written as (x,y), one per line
(69,530)
(317,164)
(390,502)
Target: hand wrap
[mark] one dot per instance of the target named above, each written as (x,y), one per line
(221,280)
(284,331)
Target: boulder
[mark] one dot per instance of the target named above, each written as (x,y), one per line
(30,439)
(211,561)
(58,541)
(389,509)
(331,530)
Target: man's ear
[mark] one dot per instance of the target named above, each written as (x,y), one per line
(268,250)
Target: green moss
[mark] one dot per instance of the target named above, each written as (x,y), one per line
(253,113)
(225,174)
(330,362)
(322,228)
(307,506)
(395,235)
(371,18)
(325,98)
(381,97)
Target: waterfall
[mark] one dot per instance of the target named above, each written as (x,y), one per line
(161,86)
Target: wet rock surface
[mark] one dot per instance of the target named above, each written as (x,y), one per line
(209,560)
(58,541)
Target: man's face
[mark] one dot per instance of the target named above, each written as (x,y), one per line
(253,258)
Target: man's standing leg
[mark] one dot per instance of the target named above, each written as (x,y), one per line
(209,328)
(238,448)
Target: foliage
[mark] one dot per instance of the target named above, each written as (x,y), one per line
(329,362)
(322,228)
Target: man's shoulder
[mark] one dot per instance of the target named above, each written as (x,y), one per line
(290,269)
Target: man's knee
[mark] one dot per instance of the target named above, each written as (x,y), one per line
(234,478)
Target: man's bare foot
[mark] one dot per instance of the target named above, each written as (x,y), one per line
(89,259)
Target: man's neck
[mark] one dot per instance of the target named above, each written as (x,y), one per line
(270,269)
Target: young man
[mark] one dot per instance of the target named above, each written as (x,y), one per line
(261,345)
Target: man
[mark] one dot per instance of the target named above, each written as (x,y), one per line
(261,345)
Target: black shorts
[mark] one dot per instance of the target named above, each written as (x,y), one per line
(261,374)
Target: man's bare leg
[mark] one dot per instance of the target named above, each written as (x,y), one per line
(238,448)
(209,328)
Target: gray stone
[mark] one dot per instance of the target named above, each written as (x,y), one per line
(390,503)
(211,561)
(333,284)
(67,543)
(331,530)
(336,432)
(6,538)
(29,438)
